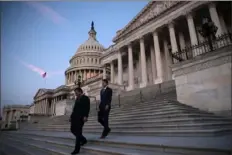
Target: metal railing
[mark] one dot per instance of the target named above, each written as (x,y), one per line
(202,48)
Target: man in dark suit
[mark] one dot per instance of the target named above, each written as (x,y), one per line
(104,107)
(78,117)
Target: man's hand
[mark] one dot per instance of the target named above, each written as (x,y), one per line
(85,119)
(107,107)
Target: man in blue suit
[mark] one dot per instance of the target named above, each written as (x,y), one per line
(104,107)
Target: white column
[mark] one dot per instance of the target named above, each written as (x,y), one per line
(39,107)
(172,37)
(104,72)
(168,60)
(54,112)
(153,63)
(120,68)
(214,17)
(181,40)
(143,63)
(130,67)
(223,24)
(112,72)
(192,30)
(75,75)
(68,78)
(159,67)
(84,75)
(45,106)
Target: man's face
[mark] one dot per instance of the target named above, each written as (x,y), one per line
(77,93)
(104,84)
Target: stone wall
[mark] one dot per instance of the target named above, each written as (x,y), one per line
(205,82)
(64,107)
(36,117)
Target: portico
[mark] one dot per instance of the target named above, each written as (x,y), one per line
(148,36)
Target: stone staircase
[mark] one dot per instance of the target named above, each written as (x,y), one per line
(160,117)
(142,122)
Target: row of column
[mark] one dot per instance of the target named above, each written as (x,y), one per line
(156,60)
(41,107)
(85,74)
(53,103)
(86,60)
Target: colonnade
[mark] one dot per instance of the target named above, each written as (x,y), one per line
(42,106)
(158,74)
(72,76)
(47,106)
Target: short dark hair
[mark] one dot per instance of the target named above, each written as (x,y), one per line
(78,90)
(105,80)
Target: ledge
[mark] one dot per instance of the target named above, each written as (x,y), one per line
(204,61)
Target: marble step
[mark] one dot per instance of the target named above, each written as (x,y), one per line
(18,148)
(195,145)
(142,104)
(139,112)
(188,133)
(43,143)
(155,108)
(34,148)
(137,119)
(170,114)
(151,127)
(177,122)
(155,112)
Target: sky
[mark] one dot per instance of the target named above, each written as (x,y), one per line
(47,35)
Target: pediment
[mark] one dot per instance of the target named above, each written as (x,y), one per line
(40,92)
(151,10)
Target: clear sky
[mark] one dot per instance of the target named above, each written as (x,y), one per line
(46,35)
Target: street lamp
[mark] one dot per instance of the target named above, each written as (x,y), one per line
(170,51)
(170,48)
(78,81)
(208,30)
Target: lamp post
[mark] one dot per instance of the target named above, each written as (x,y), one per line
(78,81)
(170,51)
(169,48)
(208,30)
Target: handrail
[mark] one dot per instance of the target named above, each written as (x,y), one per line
(223,40)
(119,100)
(95,99)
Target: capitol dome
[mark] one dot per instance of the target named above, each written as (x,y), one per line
(86,61)
(91,45)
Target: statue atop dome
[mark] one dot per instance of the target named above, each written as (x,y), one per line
(92,32)
(92,25)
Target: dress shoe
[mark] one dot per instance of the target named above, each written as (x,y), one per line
(107,132)
(83,143)
(75,152)
(102,137)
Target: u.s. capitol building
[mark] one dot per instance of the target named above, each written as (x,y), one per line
(165,41)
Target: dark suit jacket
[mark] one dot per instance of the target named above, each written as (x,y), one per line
(81,108)
(106,97)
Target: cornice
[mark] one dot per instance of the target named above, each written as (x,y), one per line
(132,21)
(150,16)
(160,21)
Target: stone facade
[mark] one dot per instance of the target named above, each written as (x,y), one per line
(205,82)
(14,113)
(143,55)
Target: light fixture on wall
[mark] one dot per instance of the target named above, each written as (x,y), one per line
(208,30)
